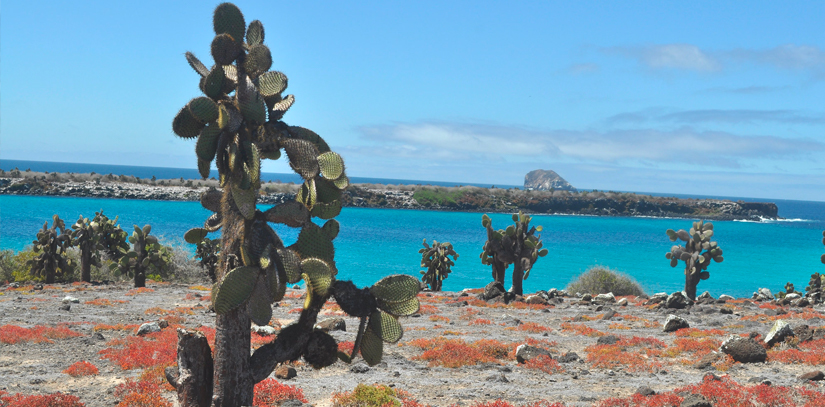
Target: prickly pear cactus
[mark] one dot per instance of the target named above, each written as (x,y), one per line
(52,244)
(518,245)
(86,237)
(437,263)
(112,238)
(236,124)
(697,253)
(208,251)
(146,256)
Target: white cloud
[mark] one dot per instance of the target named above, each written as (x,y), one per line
(736,116)
(788,56)
(480,143)
(670,56)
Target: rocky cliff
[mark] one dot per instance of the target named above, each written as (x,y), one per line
(543,180)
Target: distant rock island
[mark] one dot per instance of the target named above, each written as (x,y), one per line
(466,198)
(546,180)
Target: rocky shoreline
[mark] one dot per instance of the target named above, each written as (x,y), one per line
(465,199)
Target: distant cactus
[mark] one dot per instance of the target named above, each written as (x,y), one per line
(696,253)
(207,250)
(822,258)
(146,256)
(112,237)
(52,244)
(437,263)
(518,245)
(236,132)
(814,289)
(85,236)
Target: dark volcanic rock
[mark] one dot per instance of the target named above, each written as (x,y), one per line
(527,352)
(744,350)
(546,180)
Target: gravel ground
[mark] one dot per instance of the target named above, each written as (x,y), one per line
(36,368)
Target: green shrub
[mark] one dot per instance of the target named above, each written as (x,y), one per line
(440,196)
(602,280)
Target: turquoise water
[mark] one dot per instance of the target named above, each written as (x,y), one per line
(377,242)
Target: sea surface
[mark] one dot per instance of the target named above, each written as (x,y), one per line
(378,242)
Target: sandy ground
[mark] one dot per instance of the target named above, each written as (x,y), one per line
(36,368)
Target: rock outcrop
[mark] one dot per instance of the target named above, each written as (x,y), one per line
(543,180)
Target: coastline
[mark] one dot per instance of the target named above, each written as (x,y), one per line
(422,197)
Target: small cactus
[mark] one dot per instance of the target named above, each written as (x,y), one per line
(518,245)
(437,262)
(207,251)
(113,239)
(52,244)
(697,253)
(146,255)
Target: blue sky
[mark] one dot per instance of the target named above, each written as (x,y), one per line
(695,97)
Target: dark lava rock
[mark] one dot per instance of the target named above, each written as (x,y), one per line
(674,323)
(332,324)
(744,350)
(359,368)
(706,361)
(492,290)
(676,301)
(284,372)
(569,357)
(527,352)
(695,400)
(607,340)
(815,375)
(498,378)
(609,314)
(645,391)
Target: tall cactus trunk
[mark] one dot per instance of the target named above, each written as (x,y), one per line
(140,278)
(518,278)
(691,281)
(498,271)
(50,272)
(233,381)
(85,264)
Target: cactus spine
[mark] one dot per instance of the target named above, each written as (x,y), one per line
(236,132)
(696,253)
(437,263)
(518,245)
(146,255)
(52,244)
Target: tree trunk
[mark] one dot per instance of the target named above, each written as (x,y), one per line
(140,277)
(518,278)
(192,377)
(498,271)
(691,281)
(85,264)
(50,272)
(233,381)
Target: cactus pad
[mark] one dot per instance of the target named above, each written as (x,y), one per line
(320,275)
(331,165)
(291,213)
(341,182)
(229,19)
(302,157)
(260,310)
(255,33)
(235,288)
(309,135)
(372,349)
(245,201)
(251,103)
(272,83)
(279,109)
(292,265)
(307,195)
(204,109)
(224,49)
(213,83)
(195,235)
(258,61)
(386,326)
(331,229)
(185,124)
(396,288)
(314,243)
(207,143)
(402,308)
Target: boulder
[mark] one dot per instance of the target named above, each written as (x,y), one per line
(536,299)
(602,299)
(674,323)
(526,352)
(726,297)
(622,302)
(645,391)
(69,299)
(332,324)
(695,400)
(492,290)
(707,361)
(265,330)
(657,298)
(148,328)
(569,357)
(610,313)
(763,294)
(704,296)
(815,375)
(607,340)
(285,372)
(676,300)
(778,333)
(744,350)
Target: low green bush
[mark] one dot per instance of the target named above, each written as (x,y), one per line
(602,280)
